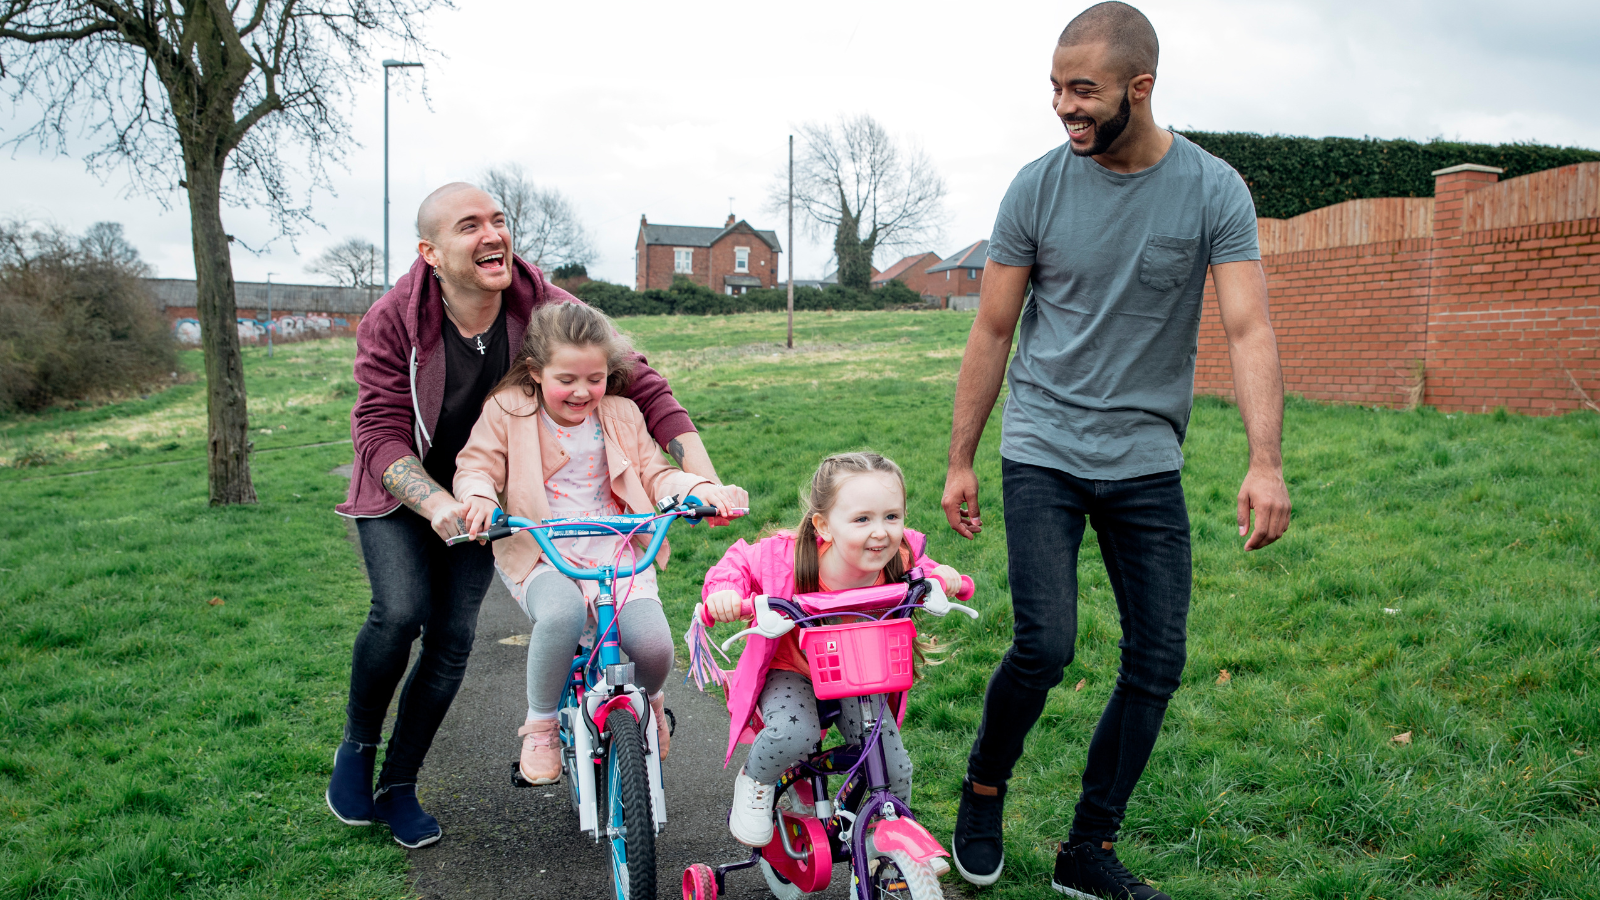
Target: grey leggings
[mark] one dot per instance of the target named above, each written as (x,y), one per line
(559,614)
(789,711)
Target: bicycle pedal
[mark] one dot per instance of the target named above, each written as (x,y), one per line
(516,776)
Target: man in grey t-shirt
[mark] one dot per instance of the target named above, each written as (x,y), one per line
(1114,231)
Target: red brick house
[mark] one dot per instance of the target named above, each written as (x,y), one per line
(962,275)
(912,271)
(730,260)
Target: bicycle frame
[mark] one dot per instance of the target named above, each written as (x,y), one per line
(600,679)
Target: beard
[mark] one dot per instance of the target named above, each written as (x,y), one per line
(1107,132)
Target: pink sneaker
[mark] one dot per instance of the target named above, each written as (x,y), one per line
(541,752)
(658,708)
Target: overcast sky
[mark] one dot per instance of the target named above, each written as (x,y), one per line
(671,109)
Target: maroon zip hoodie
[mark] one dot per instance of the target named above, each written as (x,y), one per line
(399,372)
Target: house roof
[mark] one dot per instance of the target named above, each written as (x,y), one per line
(901,267)
(696,236)
(972,257)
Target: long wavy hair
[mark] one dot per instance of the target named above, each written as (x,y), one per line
(558,325)
(820,499)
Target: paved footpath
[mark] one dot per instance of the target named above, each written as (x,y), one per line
(504,842)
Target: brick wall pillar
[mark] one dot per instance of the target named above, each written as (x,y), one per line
(1454,356)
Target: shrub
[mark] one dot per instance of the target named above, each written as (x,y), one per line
(1292,175)
(686,298)
(76,320)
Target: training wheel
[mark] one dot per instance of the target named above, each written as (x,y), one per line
(699,883)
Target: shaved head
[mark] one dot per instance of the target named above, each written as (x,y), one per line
(1127,34)
(434,211)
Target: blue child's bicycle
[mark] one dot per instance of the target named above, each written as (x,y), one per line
(610,756)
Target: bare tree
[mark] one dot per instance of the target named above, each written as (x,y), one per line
(105,242)
(228,85)
(545,229)
(352,262)
(855,180)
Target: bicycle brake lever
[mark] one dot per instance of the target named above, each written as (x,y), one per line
(769,623)
(938,603)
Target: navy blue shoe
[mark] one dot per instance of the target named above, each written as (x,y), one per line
(349,792)
(396,806)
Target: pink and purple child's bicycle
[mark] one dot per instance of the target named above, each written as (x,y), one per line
(863,661)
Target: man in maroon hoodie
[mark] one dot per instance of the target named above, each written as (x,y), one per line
(427,354)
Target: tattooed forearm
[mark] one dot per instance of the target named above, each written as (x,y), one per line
(675,448)
(410,483)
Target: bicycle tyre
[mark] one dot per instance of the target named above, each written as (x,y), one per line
(903,878)
(627,803)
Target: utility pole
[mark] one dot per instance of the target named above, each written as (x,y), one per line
(270,326)
(791,242)
(387,65)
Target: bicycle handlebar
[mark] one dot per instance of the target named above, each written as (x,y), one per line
(629,526)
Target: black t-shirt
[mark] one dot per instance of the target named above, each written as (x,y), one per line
(472,367)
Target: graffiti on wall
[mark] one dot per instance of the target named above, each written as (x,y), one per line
(254,331)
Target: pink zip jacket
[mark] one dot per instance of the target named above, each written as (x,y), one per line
(767,567)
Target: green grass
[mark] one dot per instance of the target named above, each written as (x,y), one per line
(148,733)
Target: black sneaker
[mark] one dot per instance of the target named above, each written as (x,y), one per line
(1092,872)
(978,847)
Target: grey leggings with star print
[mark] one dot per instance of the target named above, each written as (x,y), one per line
(789,711)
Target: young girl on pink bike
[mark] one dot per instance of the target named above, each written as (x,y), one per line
(557,440)
(851,535)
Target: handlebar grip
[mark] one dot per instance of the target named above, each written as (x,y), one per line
(967,588)
(701,512)
(746,610)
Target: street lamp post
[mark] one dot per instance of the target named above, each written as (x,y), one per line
(387,65)
(269,314)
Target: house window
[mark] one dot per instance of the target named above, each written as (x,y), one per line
(946,274)
(683,260)
(741,259)
(972,273)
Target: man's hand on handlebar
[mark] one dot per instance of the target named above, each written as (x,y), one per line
(480,510)
(725,497)
(726,606)
(446,514)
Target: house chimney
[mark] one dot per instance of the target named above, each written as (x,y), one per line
(643,221)
(731,220)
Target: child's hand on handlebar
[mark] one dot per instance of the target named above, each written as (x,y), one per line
(725,497)
(949,578)
(480,510)
(726,606)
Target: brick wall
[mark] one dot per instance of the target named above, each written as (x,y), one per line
(1498,306)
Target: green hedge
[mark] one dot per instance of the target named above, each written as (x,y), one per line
(685,298)
(1292,175)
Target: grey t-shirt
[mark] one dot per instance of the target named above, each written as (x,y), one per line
(1103,380)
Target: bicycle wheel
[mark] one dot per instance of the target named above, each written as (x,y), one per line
(626,809)
(896,876)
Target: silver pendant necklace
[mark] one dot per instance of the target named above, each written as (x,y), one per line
(477,338)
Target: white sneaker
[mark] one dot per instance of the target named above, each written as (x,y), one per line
(751,819)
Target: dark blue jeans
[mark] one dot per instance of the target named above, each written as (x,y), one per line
(1143,528)
(419,587)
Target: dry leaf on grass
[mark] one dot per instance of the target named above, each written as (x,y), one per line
(215,601)
(1081,683)
(1402,739)
(1224,677)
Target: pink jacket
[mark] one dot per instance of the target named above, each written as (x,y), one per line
(512,453)
(767,567)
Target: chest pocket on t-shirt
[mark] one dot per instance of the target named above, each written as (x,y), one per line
(1167,261)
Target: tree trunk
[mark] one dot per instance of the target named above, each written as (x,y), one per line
(228,421)
(855,258)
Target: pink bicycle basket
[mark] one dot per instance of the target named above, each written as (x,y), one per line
(859,658)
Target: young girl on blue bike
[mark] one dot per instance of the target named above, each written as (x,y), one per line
(556,439)
(852,534)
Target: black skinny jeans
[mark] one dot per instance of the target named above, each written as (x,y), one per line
(1143,528)
(420,586)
